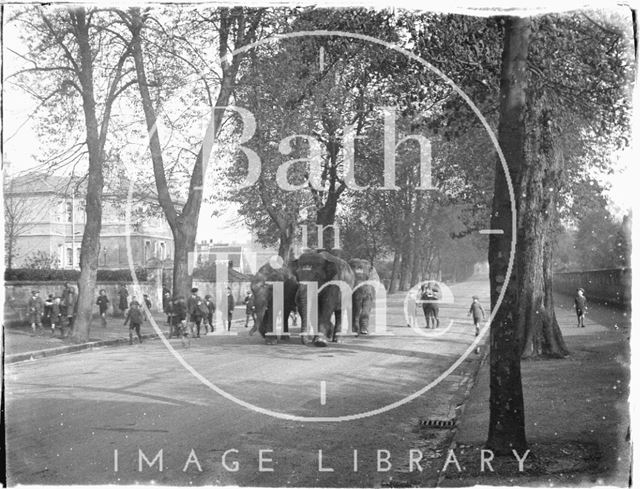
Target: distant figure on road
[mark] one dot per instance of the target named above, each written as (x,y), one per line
(36,308)
(231,303)
(581,306)
(478,312)
(250,308)
(103,305)
(123,301)
(135,317)
(430,292)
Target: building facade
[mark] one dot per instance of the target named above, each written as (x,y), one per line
(45,217)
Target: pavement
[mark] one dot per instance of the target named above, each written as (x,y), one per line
(576,411)
(20,344)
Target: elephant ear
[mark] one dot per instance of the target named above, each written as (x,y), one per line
(331,269)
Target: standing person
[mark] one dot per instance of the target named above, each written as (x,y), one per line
(182,327)
(249,303)
(135,317)
(69,307)
(48,307)
(197,310)
(166,299)
(211,308)
(231,303)
(581,306)
(431,293)
(56,317)
(123,298)
(103,305)
(35,307)
(477,311)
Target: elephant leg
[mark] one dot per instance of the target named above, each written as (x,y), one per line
(285,324)
(363,325)
(336,336)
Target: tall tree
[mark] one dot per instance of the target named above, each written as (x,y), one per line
(506,403)
(76,49)
(236,27)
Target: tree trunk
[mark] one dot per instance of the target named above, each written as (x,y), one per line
(506,404)
(95,182)
(394,272)
(539,327)
(285,247)
(185,225)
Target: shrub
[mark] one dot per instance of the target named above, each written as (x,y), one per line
(53,275)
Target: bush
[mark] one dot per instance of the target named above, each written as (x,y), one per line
(53,275)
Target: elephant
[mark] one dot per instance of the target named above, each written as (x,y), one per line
(322,267)
(363,297)
(263,302)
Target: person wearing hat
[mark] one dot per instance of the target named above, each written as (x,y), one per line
(35,306)
(197,310)
(581,306)
(477,311)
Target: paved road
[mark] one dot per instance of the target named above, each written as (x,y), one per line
(68,415)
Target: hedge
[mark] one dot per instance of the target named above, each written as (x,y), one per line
(53,275)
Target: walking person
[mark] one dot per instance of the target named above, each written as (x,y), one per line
(478,312)
(123,299)
(134,317)
(580,302)
(197,310)
(103,305)
(35,307)
(231,304)
(211,309)
(249,303)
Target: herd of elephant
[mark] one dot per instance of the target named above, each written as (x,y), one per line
(319,267)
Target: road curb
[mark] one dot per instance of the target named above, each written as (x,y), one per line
(473,378)
(61,350)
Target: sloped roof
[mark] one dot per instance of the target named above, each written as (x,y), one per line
(43,183)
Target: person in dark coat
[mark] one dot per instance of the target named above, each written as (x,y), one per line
(135,317)
(35,306)
(103,305)
(211,307)
(123,299)
(477,311)
(231,304)
(197,310)
(580,302)
(250,307)
(70,299)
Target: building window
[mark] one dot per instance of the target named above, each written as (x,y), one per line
(69,211)
(78,257)
(69,257)
(163,251)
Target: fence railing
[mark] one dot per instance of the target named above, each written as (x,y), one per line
(610,285)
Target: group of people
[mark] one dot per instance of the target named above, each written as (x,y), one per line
(188,318)
(430,295)
(55,312)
